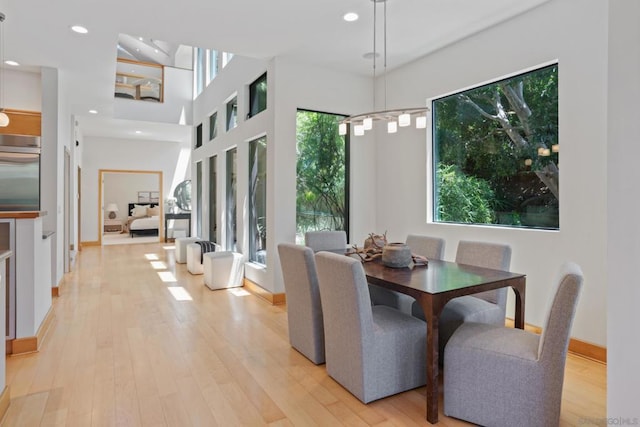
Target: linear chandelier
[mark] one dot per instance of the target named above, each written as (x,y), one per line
(400,117)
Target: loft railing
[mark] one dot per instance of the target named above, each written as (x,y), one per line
(143,81)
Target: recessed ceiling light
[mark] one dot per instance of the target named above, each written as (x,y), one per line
(12,63)
(140,38)
(137,49)
(138,132)
(93,111)
(79,29)
(156,50)
(350,17)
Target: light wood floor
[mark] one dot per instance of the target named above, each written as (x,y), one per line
(126,348)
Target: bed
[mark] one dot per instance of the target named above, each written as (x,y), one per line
(144,219)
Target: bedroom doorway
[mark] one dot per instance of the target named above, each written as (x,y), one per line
(119,191)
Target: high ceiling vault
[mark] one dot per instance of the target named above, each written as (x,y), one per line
(37,32)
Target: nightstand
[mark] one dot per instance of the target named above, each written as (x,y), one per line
(113,225)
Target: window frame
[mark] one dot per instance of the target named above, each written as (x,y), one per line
(233,102)
(213,125)
(432,156)
(255,100)
(347,170)
(198,136)
(253,222)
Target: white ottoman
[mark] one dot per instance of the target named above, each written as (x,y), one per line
(224,269)
(194,266)
(181,248)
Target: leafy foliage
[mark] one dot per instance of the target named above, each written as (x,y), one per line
(462,198)
(498,133)
(321,173)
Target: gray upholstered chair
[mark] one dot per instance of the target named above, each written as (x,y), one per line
(486,307)
(373,352)
(498,376)
(326,240)
(426,246)
(304,312)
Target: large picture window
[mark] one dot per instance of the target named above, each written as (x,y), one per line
(322,183)
(496,153)
(258,200)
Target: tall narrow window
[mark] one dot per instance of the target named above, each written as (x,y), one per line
(213,126)
(198,71)
(231,220)
(212,65)
(322,183)
(199,196)
(199,135)
(213,199)
(226,57)
(258,95)
(258,200)
(232,113)
(496,153)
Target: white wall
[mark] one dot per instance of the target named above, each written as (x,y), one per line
(623,175)
(290,86)
(122,188)
(176,107)
(126,155)
(533,38)
(23,90)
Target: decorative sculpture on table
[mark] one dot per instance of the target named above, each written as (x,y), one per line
(395,255)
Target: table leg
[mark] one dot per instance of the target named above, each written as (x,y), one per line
(519,289)
(432,369)
(431,311)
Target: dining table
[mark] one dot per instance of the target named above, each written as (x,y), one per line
(433,285)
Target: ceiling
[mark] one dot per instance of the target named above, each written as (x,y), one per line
(37,33)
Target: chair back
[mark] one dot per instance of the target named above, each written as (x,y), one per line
(304,310)
(554,341)
(488,255)
(426,246)
(348,319)
(325,240)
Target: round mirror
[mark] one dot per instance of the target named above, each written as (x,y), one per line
(182,193)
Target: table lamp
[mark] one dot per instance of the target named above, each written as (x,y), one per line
(112,208)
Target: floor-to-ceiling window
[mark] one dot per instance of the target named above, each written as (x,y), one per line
(213,199)
(322,183)
(258,200)
(231,220)
(199,196)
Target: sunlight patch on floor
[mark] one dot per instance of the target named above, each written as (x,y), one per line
(152,257)
(158,265)
(239,292)
(180,293)
(167,277)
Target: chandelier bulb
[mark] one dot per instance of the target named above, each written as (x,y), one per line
(404,119)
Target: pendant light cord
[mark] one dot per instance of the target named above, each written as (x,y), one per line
(385,54)
(375,52)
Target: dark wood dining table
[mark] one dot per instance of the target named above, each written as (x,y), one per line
(433,286)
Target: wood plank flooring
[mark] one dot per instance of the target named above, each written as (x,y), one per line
(137,341)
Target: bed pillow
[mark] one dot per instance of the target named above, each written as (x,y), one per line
(153,211)
(139,211)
